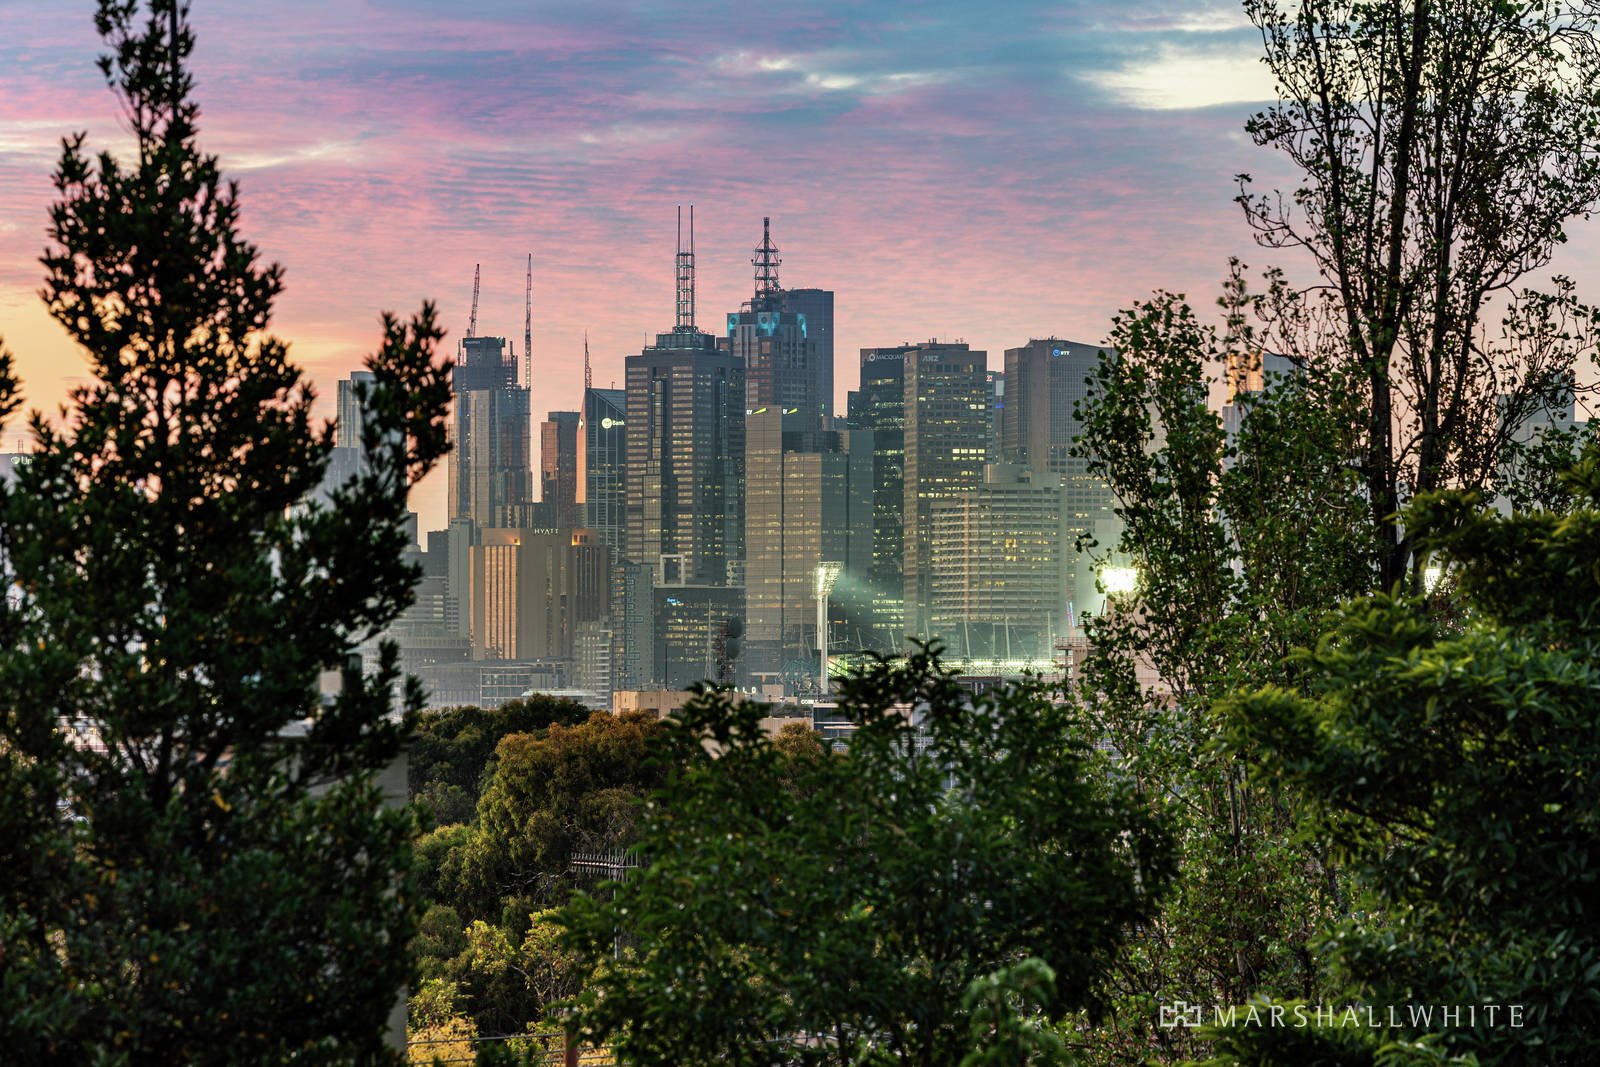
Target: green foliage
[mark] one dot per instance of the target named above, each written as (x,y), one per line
(1454,771)
(195,860)
(1240,543)
(1007,1027)
(572,780)
(452,749)
(571,788)
(831,908)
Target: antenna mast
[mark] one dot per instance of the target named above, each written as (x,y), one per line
(588,374)
(686,274)
(527,328)
(766,262)
(472,320)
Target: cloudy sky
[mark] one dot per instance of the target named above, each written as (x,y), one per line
(985,172)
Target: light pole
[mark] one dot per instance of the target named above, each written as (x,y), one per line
(827,574)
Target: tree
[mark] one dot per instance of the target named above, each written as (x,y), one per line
(452,749)
(1442,146)
(571,788)
(1455,771)
(836,908)
(1240,541)
(195,862)
(487,933)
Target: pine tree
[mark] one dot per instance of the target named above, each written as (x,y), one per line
(195,861)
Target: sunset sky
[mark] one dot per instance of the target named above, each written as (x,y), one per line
(952,169)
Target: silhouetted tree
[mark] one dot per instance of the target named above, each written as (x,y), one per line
(195,862)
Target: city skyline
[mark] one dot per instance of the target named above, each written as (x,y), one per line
(947,173)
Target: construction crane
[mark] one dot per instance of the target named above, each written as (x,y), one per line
(472,320)
(527,328)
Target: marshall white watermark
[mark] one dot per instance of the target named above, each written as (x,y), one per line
(1376,1016)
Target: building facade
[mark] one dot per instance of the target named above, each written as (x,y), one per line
(602,459)
(947,433)
(1000,558)
(558,467)
(490,467)
(685,459)
(808,499)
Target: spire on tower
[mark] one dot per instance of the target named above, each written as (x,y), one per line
(766,262)
(527,329)
(686,274)
(588,375)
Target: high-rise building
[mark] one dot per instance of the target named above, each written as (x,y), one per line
(558,467)
(688,622)
(1045,382)
(347,459)
(997,412)
(808,499)
(947,432)
(879,408)
(490,467)
(815,307)
(1000,563)
(602,459)
(780,358)
(350,414)
(685,456)
(531,589)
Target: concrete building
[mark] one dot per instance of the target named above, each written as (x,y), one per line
(808,499)
(558,467)
(491,466)
(947,431)
(532,588)
(1000,563)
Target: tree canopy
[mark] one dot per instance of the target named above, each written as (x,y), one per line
(195,860)
(814,906)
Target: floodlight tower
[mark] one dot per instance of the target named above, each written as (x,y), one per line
(827,574)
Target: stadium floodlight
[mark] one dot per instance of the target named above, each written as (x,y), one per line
(1119,580)
(827,574)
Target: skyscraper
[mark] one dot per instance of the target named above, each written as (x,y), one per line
(602,461)
(685,458)
(350,414)
(815,306)
(808,499)
(947,432)
(347,459)
(532,589)
(879,409)
(1000,567)
(490,468)
(1045,381)
(558,467)
(780,358)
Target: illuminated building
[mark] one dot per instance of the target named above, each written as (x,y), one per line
(947,432)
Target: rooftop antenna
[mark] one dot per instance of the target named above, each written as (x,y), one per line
(472,320)
(588,374)
(527,329)
(766,262)
(685,274)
